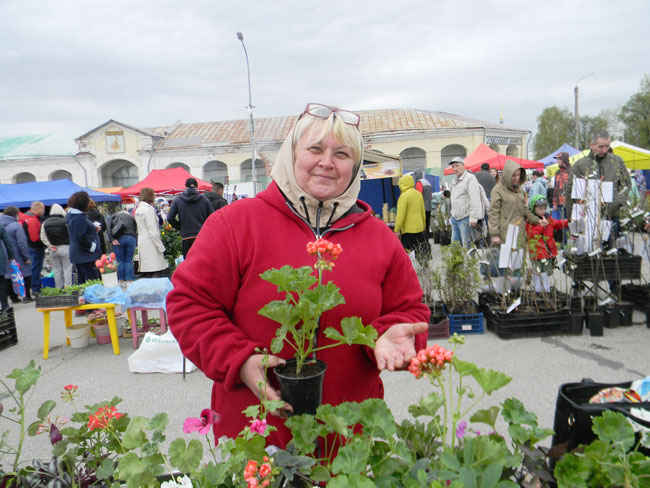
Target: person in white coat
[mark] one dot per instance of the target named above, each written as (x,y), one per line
(151,249)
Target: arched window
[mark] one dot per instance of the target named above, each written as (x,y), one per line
(119,172)
(179,165)
(247,174)
(495,147)
(24,178)
(215,171)
(512,150)
(413,158)
(450,152)
(61,174)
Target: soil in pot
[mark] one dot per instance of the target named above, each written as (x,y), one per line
(303,392)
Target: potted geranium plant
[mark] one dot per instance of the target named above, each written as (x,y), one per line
(107,266)
(298,315)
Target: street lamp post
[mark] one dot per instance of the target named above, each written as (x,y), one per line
(250,113)
(577,119)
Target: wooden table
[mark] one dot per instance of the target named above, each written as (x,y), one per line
(67,311)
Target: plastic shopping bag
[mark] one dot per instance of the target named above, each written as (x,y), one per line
(159,354)
(17,280)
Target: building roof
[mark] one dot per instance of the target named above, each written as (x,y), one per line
(233,132)
(275,129)
(34,146)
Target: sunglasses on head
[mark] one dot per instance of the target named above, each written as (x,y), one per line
(324,111)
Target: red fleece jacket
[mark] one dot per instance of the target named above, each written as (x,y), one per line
(545,246)
(213,308)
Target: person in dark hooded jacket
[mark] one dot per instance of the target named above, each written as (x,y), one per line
(188,212)
(216,196)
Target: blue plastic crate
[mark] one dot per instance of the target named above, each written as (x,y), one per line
(465,323)
(48,282)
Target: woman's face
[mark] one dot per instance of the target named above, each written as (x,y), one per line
(323,169)
(516,176)
(494,172)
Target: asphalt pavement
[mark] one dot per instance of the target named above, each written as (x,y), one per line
(538,367)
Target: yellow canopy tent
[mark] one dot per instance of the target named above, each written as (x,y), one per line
(633,157)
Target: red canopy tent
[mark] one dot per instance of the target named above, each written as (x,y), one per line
(483,154)
(164,182)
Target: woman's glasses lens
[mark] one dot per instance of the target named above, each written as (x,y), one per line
(323,111)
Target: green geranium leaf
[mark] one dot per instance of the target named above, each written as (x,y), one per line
(450,461)
(352,458)
(572,471)
(427,405)
(279,311)
(45,408)
(135,435)
(289,278)
(134,471)
(491,475)
(464,368)
(487,416)
(354,332)
(216,475)
(614,428)
(159,422)
(467,477)
(25,378)
(319,473)
(352,481)
(514,412)
(185,459)
(377,418)
(305,431)
(490,380)
(106,470)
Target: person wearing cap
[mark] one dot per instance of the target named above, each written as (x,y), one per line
(541,244)
(508,205)
(485,179)
(538,186)
(188,212)
(467,207)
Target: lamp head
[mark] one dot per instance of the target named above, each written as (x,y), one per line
(240,36)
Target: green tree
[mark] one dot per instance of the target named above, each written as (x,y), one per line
(635,114)
(588,127)
(555,126)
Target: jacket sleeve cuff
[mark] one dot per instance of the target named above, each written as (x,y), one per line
(93,246)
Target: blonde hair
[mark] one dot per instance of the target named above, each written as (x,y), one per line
(345,134)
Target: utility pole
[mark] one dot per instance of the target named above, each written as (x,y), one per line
(577,117)
(250,112)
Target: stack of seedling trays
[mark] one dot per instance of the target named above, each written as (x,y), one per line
(8,334)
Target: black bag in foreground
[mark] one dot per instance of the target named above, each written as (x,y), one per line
(573,414)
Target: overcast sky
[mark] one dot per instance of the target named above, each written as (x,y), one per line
(71,65)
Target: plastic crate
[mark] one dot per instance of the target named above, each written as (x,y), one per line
(517,325)
(439,329)
(639,295)
(465,323)
(621,266)
(58,301)
(8,334)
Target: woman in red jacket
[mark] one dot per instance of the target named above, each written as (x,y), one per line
(541,245)
(213,308)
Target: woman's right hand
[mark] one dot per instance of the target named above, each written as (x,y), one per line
(252,375)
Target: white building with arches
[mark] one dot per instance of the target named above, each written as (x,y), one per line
(115,154)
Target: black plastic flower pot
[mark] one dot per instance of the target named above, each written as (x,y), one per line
(304,392)
(576,321)
(595,322)
(612,315)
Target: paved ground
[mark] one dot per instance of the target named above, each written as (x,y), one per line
(538,365)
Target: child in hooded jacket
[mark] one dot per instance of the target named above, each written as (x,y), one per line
(541,244)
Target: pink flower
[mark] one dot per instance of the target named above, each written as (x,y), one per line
(431,360)
(258,426)
(203,424)
(460,430)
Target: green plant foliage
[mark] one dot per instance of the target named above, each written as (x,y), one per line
(457,280)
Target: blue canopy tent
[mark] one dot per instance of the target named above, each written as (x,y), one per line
(22,195)
(550,159)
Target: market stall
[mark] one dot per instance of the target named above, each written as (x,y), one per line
(22,195)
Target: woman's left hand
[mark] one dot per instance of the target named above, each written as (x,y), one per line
(395,348)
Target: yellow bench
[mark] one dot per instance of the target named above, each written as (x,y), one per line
(67,311)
